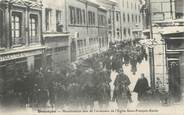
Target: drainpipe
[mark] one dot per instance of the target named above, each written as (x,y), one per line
(151,50)
(113,19)
(41,27)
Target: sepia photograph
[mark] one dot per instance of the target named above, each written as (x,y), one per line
(68,57)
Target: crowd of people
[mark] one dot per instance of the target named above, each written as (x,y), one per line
(81,83)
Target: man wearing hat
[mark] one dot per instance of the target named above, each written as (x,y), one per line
(122,78)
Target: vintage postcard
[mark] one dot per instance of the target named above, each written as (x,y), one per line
(117,57)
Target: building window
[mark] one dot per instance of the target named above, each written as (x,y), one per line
(58,16)
(91,18)
(117,17)
(99,19)
(47,19)
(118,34)
(136,18)
(1,26)
(59,26)
(72,15)
(132,18)
(84,16)
(124,31)
(129,32)
(102,20)
(128,16)
(79,16)
(139,19)
(16,24)
(124,18)
(33,22)
(105,20)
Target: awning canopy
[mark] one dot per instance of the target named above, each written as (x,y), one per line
(173,30)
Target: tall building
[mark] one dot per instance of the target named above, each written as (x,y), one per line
(131,19)
(20,35)
(56,39)
(85,21)
(21,48)
(114,19)
(166,50)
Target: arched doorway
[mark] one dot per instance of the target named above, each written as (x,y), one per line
(73,51)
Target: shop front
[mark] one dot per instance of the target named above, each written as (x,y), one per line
(175,64)
(14,70)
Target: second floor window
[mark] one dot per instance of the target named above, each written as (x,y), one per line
(58,16)
(91,18)
(124,18)
(136,18)
(124,31)
(16,23)
(84,16)
(79,16)
(117,17)
(129,31)
(132,18)
(72,15)
(47,19)
(33,28)
(59,26)
(1,27)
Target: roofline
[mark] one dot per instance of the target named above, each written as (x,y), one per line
(110,2)
(102,8)
(92,3)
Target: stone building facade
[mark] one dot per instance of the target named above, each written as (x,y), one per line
(131,19)
(113,19)
(56,39)
(84,20)
(21,48)
(167,38)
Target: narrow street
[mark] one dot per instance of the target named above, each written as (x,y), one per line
(87,55)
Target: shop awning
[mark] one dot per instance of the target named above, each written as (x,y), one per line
(172,30)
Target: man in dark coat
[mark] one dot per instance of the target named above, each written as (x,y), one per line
(141,87)
(122,79)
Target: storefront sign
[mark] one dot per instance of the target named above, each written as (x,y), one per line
(11,56)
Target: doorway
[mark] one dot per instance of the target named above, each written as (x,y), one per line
(174,80)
